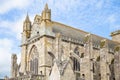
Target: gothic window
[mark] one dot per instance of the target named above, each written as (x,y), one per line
(76,64)
(34,60)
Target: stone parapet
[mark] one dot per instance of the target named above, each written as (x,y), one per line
(115,33)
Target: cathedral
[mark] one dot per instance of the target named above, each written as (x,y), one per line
(54,51)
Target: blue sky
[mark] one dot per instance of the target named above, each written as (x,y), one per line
(99,17)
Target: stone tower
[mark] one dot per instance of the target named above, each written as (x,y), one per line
(25,35)
(14,66)
(26,29)
(116,36)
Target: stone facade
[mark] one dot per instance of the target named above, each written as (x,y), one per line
(55,51)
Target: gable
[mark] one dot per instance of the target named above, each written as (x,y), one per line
(55,75)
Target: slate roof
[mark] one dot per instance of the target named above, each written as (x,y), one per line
(79,34)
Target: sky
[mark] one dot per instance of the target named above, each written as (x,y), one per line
(100,17)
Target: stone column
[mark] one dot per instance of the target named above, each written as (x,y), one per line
(58,46)
(23,58)
(88,49)
(117,63)
(14,66)
(104,63)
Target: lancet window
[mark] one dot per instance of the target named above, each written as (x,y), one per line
(76,64)
(34,60)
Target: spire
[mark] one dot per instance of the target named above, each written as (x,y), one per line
(27,18)
(27,24)
(46,7)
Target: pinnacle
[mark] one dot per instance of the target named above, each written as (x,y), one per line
(46,6)
(27,18)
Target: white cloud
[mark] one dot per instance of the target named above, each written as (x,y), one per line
(6,50)
(7,5)
(14,27)
(18,26)
(8,45)
(65,5)
(5,53)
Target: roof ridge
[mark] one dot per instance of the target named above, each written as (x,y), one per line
(76,29)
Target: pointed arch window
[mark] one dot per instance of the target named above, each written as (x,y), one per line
(76,64)
(34,60)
